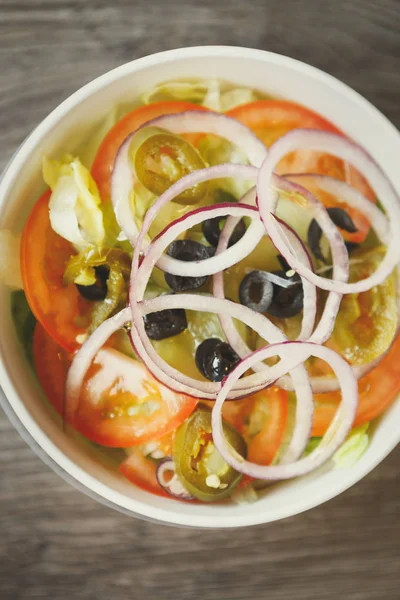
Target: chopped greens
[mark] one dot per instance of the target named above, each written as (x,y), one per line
(75,204)
(24,322)
(353,448)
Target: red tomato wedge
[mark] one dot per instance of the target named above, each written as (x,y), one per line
(377,391)
(121,404)
(105,157)
(270,119)
(261,419)
(141,471)
(58,307)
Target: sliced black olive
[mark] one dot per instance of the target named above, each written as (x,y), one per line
(212,227)
(287,301)
(215,359)
(98,290)
(341,219)
(284,263)
(351,246)
(212,230)
(187,250)
(256,291)
(314,235)
(165,323)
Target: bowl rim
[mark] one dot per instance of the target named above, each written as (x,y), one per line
(12,402)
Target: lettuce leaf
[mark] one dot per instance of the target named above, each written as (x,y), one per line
(311,446)
(209,93)
(350,451)
(75,204)
(353,448)
(244,495)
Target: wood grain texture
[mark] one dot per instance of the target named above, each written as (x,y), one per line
(55,542)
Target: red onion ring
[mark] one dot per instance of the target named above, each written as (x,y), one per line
(333,438)
(310,297)
(172,377)
(200,176)
(339,254)
(187,122)
(202,303)
(210,265)
(193,121)
(340,270)
(85,356)
(355,199)
(346,150)
(351,196)
(160,369)
(247,385)
(173,487)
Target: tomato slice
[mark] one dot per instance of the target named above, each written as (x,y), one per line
(261,419)
(270,119)
(58,307)
(105,157)
(141,471)
(377,391)
(121,404)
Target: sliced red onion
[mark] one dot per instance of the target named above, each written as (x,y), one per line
(122,183)
(340,270)
(202,303)
(173,486)
(324,384)
(355,199)
(160,369)
(346,150)
(340,255)
(247,385)
(351,196)
(309,290)
(84,358)
(211,265)
(333,438)
(220,171)
(122,178)
(193,121)
(139,278)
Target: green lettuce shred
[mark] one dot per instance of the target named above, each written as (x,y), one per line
(350,451)
(24,321)
(312,445)
(353,448)
(210,93)
(244,495)
(75,204)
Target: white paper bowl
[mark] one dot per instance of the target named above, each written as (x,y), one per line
(21,184)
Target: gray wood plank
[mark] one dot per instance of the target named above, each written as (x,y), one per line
(55,542)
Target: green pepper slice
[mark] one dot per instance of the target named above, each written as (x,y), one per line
(367,322)
(198,464)
(162,159)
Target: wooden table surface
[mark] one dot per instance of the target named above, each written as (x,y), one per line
(54,541)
